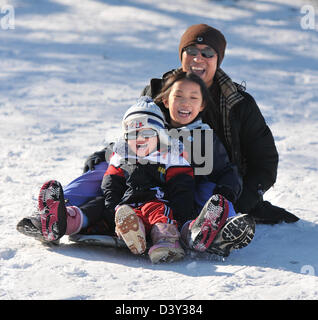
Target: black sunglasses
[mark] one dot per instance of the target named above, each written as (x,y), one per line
(205,52)
(146,133)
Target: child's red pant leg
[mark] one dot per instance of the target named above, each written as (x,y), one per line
(153,212)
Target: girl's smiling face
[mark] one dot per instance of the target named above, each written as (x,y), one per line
(184,102)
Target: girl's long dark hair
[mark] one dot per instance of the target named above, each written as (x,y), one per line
(178,75)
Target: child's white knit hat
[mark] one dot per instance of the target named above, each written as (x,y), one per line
(145,114)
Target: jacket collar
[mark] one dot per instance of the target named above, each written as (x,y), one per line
(229,89)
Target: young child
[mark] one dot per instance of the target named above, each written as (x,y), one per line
(145,188)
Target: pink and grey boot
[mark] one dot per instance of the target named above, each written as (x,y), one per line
(166,246)
(57,219)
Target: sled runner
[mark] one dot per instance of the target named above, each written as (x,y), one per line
(98,240)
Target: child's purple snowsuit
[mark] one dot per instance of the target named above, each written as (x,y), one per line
(86,187)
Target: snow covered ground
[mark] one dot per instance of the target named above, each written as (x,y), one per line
(68,71)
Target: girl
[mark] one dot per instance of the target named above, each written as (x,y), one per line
(185,96)
(217,228)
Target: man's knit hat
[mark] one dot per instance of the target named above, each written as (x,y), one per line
(145,114)
(204,34)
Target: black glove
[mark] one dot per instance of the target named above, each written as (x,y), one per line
(98,157)
(93,160)
(266,213)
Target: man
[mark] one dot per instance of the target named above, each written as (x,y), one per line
(237,121)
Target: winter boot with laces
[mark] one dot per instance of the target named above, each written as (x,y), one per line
(166,246)
(131,229)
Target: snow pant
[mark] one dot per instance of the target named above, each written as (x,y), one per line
(86,187)
(153,212)
(98,216)
(85,192)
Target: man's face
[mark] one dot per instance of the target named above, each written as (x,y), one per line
(205,68)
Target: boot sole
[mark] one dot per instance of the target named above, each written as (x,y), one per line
(127,225)
(207,225)
(161,255)
(52,210)
(237,233)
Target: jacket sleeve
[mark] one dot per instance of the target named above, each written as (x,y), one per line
(155,85)
(225,174)
(113,187)
(259,152)
(180,185)
(153,88)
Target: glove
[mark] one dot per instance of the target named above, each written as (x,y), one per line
(266,213)
(98,157)
(93,160)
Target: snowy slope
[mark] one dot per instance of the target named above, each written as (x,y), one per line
(70,69)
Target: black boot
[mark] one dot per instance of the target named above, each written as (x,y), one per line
(266,213)
(32,227)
